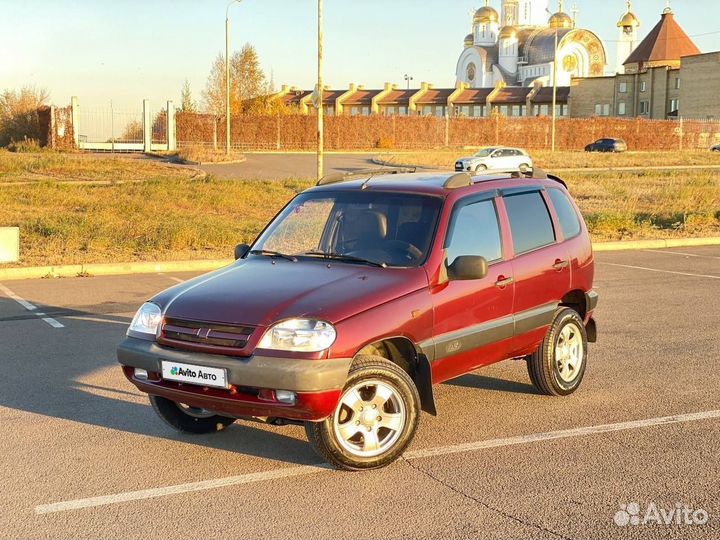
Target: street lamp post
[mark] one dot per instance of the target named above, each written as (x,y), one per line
(554,103)
(320,111)
(227,75)
(408,78)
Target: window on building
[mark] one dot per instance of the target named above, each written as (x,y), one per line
(402,110)
(329,110)
(644,107)
(354,111)
(677,83)
(621,109)
(465,110)
(463,237)
(427,110)
(643,86)
(545,109)
(565,212)
(530,221)
(390,110)
(504,110)
(674,105)
(622,88)
(602,109)
(515,110)
(365,110)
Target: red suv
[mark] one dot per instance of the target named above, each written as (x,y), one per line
(363,293)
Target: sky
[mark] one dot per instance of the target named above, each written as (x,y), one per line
(127,50)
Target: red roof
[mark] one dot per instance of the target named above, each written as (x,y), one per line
(545,94)
(362,97)
(667,42)
(473,96)
(512,94)
(398,96)
(435,96)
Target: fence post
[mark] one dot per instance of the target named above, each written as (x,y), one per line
(171,142)
(74,114)
(215,122)
(51,135)
(447,130)
(681,133)
(147,126)
(278,145)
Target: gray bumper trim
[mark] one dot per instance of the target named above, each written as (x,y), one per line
(256,371)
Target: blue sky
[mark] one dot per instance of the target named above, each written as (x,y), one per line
(126,50)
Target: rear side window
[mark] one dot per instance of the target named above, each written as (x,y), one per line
(474,231)
(569,222)
(530,221)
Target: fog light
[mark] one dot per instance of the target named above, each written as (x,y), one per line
(285,396)
(141,374)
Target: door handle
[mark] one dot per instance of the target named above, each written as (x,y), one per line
(503,282)
(559,265)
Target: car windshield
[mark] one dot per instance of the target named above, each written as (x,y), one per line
(373,228)
(484,152)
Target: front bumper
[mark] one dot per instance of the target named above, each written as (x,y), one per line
(317,383)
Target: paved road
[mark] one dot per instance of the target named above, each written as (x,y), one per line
(283,166)
(74,429)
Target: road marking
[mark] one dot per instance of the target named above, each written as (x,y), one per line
(181,488)
(274,474)
(681,253)
(176,279)
(30,307)
(660,271)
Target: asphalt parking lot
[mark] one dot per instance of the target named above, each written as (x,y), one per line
(83,455)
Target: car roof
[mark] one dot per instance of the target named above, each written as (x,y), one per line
(435,183)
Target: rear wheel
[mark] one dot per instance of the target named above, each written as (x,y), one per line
(524,168)
(558,366)
(374,421)
(188,419)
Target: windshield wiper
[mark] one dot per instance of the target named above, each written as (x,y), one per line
(341,257)
(269,253)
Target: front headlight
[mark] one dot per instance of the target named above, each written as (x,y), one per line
(146,322)
(300,335)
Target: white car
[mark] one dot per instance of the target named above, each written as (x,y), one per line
(496,158)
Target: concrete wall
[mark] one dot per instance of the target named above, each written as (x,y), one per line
(700,86)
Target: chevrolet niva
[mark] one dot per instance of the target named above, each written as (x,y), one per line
(364,292)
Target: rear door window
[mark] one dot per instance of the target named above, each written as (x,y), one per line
(530,221)
(474,230)
(569,222)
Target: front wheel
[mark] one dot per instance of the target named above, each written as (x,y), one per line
(481,168)
(187,419)
(524,168)
(558,365)
(374,421)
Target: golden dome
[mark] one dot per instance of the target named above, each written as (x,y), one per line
(561,20)
(629,20)
(507,32)
(469,41)
(486,14)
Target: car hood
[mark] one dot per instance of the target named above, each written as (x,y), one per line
(260,291)
(469,158)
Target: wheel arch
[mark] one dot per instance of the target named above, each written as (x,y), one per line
(576,300)
(403,352)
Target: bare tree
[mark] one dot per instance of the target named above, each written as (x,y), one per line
(186,100)
(18,113)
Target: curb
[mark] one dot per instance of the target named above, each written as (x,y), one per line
(117,269)
(655,244)
(111,269)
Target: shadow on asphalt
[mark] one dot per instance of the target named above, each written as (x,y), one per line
(481,382)
(62,373)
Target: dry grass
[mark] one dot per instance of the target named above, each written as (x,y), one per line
(170,216)
(198,153)
(565,159)
(66,167)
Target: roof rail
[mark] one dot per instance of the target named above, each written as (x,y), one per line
(335,178)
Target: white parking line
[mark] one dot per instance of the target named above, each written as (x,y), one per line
(274,474)
(660,271)
(30,307)
(682,253)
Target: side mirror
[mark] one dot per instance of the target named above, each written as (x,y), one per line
(241,250)
(468,267)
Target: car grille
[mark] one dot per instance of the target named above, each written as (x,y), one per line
(176,332)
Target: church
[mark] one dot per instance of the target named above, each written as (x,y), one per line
(517,47)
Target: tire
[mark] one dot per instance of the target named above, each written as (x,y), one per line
(368,376)
(558,372)
(524,167)
(187,419)
(481,168)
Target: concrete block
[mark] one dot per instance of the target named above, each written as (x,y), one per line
(9,244)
